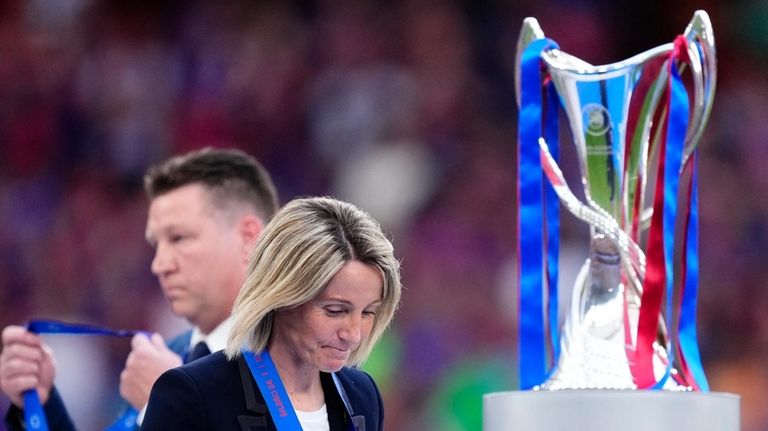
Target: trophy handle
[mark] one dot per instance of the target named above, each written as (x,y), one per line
(701,51)
(629,249)
(529,32)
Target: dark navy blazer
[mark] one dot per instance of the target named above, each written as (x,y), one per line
(56,412)
(214,393)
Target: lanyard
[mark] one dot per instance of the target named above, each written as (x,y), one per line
(34,417)
(273,391)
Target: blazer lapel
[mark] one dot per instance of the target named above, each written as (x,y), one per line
(359,422)
(254,403)
(252,423)
(340,411)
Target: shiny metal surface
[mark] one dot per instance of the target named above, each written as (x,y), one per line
(602,318)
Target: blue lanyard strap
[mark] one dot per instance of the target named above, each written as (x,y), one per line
(345,400)
(34,417)
(126,421)
(273,391)
(56,327)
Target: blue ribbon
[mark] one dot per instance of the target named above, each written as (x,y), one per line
(676,129)
(533,367)
(272,389)
(33,412)
(688,339)
(126,421)
(34,415)
(56,327)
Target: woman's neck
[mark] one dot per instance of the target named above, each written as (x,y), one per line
(302,382)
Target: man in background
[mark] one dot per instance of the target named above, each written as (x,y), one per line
(207,208)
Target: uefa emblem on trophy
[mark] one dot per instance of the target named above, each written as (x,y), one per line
(630,324)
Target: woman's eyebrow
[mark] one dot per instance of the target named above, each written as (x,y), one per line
(334,299)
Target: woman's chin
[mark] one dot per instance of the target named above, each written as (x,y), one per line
(331,365)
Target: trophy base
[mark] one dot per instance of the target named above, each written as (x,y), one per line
(603,410)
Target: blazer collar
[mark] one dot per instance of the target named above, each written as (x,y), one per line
(254,402)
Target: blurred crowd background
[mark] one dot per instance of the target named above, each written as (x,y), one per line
(406,108)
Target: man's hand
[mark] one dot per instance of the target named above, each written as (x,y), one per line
(25,363)
(149,358)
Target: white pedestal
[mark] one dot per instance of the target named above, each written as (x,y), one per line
(603,410)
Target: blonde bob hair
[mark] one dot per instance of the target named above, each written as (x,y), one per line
(300,250)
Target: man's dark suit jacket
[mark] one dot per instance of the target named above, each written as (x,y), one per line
(214,393)
(56,412)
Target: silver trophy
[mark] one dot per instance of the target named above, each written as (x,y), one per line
(612,133)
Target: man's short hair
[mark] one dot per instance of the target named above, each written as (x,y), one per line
(231,176)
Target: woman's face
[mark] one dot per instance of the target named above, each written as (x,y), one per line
(322,333)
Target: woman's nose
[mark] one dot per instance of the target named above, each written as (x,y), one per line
(352,330)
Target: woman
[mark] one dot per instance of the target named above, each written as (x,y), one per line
(322,286)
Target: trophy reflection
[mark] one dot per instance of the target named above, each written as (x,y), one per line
(635,126)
